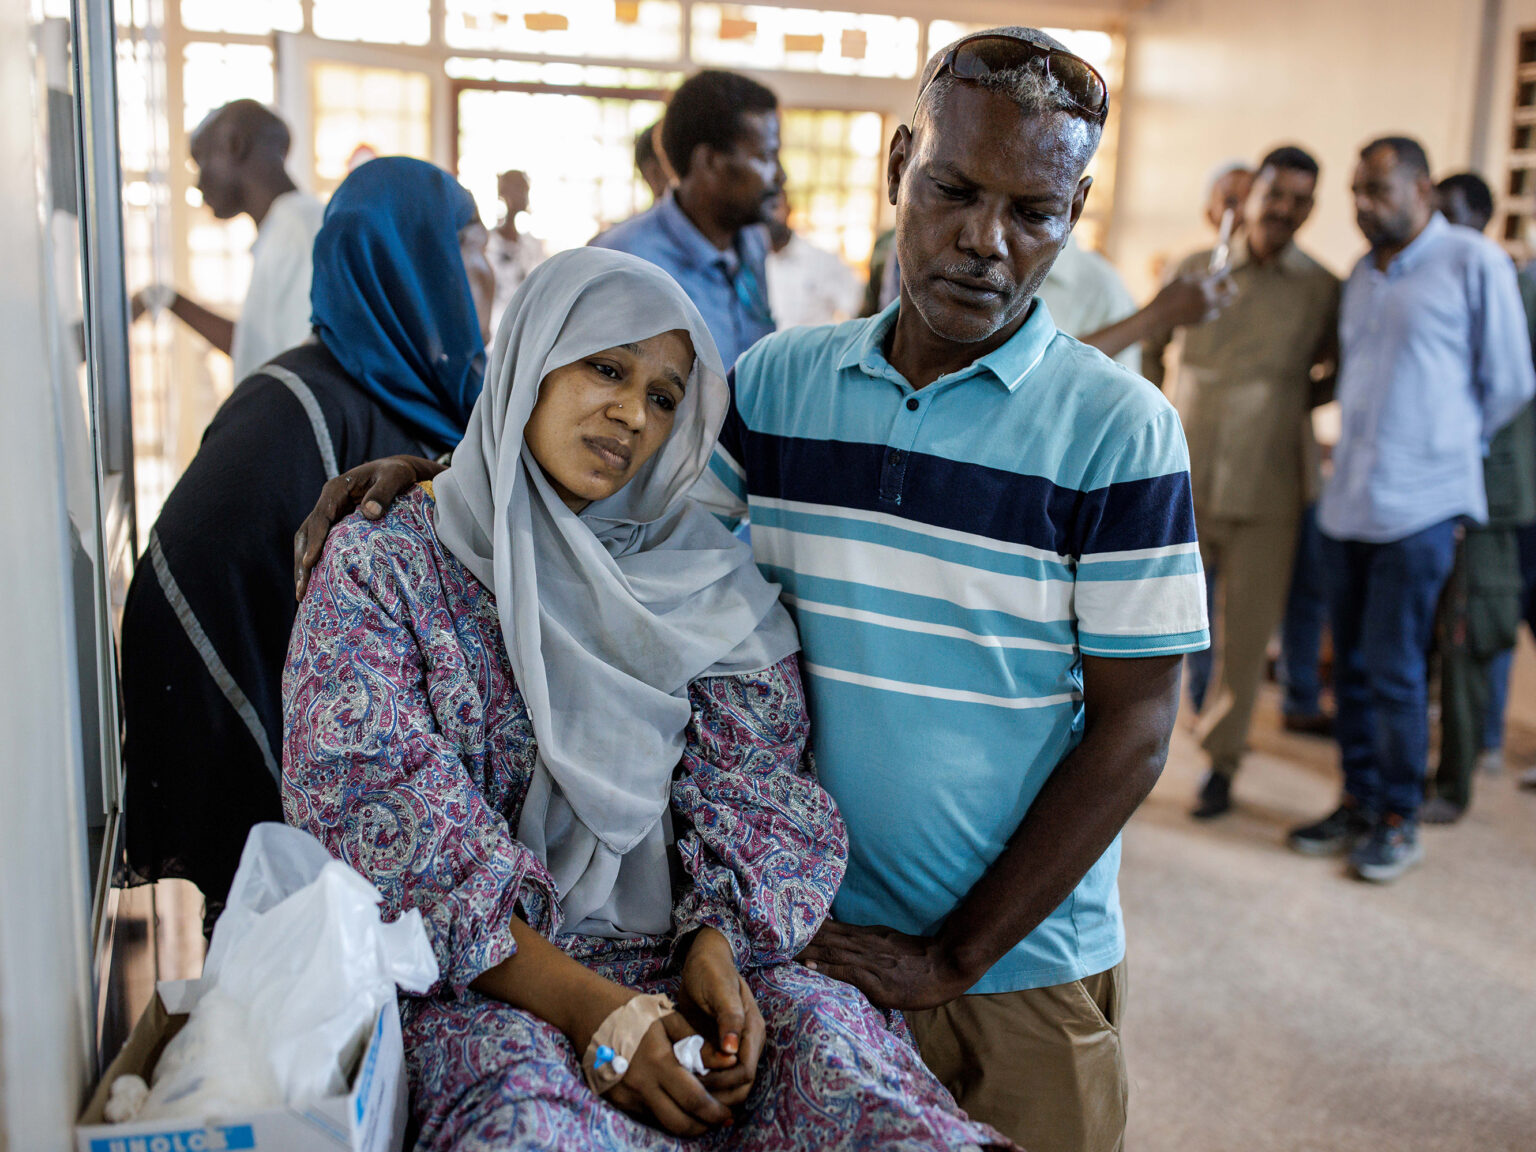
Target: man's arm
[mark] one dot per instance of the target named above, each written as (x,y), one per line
(1502,368)
(217,330)
(1186,300)
(1130,706)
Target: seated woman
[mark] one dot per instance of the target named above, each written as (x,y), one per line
(401,297)
(550,702)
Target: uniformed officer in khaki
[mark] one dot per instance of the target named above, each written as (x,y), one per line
(1247,383)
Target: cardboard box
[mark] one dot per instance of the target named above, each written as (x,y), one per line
(370,1118)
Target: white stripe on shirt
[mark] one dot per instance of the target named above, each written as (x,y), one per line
(956,694)
(907,624)
(917,574)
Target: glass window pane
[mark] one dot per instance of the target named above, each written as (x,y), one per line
(835,178)
(385,111)
(578,75)
(578,152)
(379,21)
(254,17)
(634,29)
(139,86)
(215,74)
(804,40)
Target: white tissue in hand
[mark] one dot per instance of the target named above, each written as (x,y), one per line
(125,1099)
(690,1053)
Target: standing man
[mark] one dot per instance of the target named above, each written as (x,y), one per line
(1226,190)
(512,252)
(1435,359)
(241,152)
(1247,387)
(984,531)
(806,285)
(648,162)
(1464,198)
(1480,612)
(721,139)
(1086,294)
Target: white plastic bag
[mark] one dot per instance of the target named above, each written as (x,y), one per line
(299,966)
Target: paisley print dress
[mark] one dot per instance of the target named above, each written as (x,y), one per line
(408,751)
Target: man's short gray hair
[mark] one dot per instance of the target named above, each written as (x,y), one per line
(1030,86)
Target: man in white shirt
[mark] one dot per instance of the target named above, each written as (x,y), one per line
(806,285)
(1085,294)
(513,254)
(241,152)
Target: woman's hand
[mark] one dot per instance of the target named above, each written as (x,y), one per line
(658,1087)
(718,1001)
(376,485)
(541,979)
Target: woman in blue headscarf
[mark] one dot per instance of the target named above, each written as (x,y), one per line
(400,302)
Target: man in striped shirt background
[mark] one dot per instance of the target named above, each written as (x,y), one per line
(985,533)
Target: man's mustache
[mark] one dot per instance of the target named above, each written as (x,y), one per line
(978,270)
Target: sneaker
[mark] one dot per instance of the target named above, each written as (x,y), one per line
(1339,831)
(1392,848)
(1215,796)
(1528,778)
(1490,761)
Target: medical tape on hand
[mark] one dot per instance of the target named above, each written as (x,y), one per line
(616,1039)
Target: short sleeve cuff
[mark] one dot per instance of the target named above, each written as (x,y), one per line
(1167,644)
(479,957)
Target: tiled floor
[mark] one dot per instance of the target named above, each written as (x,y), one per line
(1276,1006)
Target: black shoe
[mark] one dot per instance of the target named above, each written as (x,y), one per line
(1215,796)
(1391,849)
(1339,831)
(1314,724)
(1439,810)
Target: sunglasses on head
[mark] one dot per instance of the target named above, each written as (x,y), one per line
(981,55)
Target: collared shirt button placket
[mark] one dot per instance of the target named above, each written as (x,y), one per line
(894,470)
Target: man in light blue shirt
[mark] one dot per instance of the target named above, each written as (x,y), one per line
(1434,359)
(721,138)
(985,533)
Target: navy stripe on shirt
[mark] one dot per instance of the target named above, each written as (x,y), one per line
(973,498)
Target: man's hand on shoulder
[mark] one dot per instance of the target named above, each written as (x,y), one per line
(374,485)
(893,969)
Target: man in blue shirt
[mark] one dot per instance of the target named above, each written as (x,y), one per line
(985,533)
(1434,359)
(720,135)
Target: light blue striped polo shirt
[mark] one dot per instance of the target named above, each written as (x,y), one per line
(948,554)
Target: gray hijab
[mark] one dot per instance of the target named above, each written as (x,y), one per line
(610,614)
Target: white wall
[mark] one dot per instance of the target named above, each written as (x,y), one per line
(44,1015)
(1208,80)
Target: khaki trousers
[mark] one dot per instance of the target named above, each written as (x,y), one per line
(1043,1066)
(1252,561)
